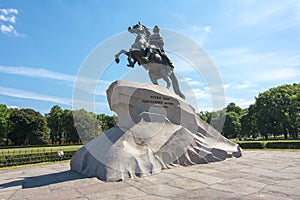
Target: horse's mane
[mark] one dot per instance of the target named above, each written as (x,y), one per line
(148,33)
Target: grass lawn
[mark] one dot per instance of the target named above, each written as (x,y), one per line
(30,150)
(290,150)
(30,165)
(262,140)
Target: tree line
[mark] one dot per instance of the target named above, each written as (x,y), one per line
(59,126)
(275,112)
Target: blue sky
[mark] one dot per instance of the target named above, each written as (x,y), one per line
(253,44)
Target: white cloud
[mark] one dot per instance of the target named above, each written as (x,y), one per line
(11,19)
(244,103)
(198,93)
(294,57)
(196,28)
(8,11)
(81,82)
(36,73)
(243,64)
(276,15)
(31,95)
(228,85)
(8,16)
(294,60)
(245,84)
(13,107)
(261,14)
(7,29)
(102,87)
(191,82)
(90,87)
(207,29)
(277,74)
(238,56)
(10,29)
(239,85)
(23,94)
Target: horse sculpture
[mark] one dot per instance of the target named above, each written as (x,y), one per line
(151,56)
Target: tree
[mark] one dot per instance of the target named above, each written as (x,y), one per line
(28,127)
(248,122)
(277,111)
(295,112)
(205,116)
(4,124)
(217,119)
(232,125)
(231,107)
(227,120)
(69,129)
(86,124)
(54,120)
(106,121)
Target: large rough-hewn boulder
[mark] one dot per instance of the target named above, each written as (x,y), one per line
(156,130)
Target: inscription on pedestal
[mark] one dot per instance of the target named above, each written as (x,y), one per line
(160,100)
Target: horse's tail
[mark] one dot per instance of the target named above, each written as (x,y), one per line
(176,85)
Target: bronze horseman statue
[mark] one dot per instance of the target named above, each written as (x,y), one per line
(148,51)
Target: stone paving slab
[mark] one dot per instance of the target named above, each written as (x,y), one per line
(256,175)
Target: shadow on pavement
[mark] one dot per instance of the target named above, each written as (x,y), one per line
(43,180)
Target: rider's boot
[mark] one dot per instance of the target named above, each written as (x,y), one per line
(130,63)
(147,55)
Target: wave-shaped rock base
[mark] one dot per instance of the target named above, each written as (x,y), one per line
(156,130)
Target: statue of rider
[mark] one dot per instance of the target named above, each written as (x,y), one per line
(157,45)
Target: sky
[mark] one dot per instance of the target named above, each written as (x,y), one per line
(254,45)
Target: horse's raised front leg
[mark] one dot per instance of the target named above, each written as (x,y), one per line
(118,54)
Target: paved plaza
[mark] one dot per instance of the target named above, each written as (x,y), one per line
(256,175)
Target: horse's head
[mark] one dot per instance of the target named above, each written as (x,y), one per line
(139,29)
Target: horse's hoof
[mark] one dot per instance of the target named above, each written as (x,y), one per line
(117,60)
(128,65)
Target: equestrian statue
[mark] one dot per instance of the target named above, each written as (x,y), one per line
(148,51)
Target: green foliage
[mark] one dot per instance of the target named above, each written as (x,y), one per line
(106,121)
(275,112)
(283,145)
(227,120)
(232,125)
(231,107)
(269,144)
(216,119)
(28,127)
(251,145)
(68,127)
(54,120)
(4,123)
(86,124)
(248,122)
(278,111)
(37,149)
(203,115)
(14,160)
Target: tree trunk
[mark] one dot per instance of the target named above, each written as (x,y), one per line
(285,134)
(6,139)
(266,136)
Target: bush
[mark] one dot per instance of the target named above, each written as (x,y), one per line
(270,145)
(13,160)
(283,145)
(251,145)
